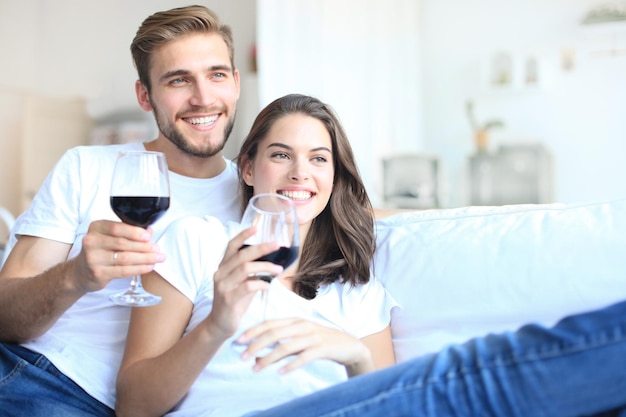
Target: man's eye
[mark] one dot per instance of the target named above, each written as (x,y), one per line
(177,81)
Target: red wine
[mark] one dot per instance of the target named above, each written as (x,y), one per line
(139,211)
(284,257)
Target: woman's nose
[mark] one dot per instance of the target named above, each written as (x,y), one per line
(298,172)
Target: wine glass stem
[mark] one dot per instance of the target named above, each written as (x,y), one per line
(135,283)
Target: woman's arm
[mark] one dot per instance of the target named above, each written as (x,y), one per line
(381,347)
(159,364)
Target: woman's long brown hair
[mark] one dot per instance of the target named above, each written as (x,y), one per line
(340,243)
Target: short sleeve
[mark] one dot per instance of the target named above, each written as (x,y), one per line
(361,310)
(194,247)
(54,211)
(375,303)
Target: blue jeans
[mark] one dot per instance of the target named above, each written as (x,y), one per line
(31,386)
(576,368)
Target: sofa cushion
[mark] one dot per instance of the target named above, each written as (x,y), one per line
(460,273)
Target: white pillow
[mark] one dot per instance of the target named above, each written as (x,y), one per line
(460,273)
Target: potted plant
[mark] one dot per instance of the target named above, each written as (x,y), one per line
(481,131)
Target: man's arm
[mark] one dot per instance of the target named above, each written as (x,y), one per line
(35,288)
(37,284)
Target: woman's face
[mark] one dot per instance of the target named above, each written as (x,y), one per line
(295,160)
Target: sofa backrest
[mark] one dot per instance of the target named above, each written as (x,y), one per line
(460,273)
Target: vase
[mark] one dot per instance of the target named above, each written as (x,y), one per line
(482,140)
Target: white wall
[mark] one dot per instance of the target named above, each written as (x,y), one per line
(69,48)
(359,56)
(577,114)
(79,47)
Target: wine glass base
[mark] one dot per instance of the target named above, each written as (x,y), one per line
(135,299)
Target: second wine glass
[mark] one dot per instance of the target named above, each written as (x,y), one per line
(140,194)
(275,219)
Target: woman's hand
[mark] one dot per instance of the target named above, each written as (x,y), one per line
(235,284)
(307,341)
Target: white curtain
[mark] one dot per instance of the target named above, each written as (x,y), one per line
(359,56)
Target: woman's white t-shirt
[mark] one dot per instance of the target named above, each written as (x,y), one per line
(227,386)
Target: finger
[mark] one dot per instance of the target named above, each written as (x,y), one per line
(102,246)
(238,266)
(120,230)
(238,241)
(234,274)
(302,359)
(279,328)
(126,259)
(303,350)
(283,337)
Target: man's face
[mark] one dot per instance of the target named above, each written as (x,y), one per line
(194,93)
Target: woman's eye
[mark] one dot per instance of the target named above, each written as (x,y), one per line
(280,155)
(320,159)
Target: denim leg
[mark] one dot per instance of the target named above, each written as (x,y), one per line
(31,386)
(576,368)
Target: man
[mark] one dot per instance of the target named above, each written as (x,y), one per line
(62,338)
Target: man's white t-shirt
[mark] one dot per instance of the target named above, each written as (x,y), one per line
(87,342)
(228,386)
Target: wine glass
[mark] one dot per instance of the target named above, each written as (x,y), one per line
(275,219)
(140,194)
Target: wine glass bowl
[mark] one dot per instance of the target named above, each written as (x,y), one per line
(139,211)
(140,195)
(275,219)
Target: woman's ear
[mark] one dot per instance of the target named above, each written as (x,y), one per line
(248,177)
(143,97)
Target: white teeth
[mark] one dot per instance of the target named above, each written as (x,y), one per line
(297,195)
(202,120)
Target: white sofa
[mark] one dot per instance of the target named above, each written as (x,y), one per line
(460,273)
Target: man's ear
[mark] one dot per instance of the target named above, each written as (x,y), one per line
(143,97)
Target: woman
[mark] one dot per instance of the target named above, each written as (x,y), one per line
(183,356)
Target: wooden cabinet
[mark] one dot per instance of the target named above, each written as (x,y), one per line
(38,130)
(50,127)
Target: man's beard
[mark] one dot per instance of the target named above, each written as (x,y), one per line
(171,132)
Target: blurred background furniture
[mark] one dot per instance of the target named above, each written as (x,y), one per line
(514,174)
(6,223)
(411,181)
